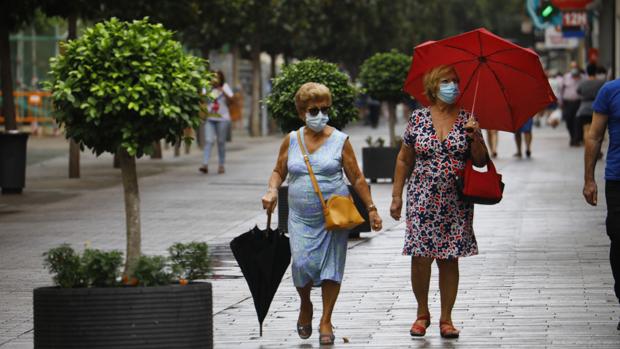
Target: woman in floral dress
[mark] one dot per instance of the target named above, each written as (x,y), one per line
(436,144)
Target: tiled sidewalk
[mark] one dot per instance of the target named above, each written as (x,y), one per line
(542,278)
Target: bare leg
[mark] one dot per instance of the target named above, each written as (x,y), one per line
(518,142)
(448,286)
(305,309)
(330,290)
(420,281)
(492,138)
(528,144)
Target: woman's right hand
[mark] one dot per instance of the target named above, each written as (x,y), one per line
(396,207)
(270,199)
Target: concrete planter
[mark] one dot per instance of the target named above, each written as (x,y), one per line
(13,162)
(171,316)
(283,212)
(379,162)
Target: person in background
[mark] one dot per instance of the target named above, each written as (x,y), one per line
(437,142)
(526,131)
(492,136)
(218,122)
(606,114)
(587,90)
(569,101)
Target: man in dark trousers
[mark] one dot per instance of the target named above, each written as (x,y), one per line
(606,115)
(569,101)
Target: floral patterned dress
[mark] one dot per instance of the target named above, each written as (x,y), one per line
(439,224)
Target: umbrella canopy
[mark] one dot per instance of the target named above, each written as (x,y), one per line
(263,256)
(503,84)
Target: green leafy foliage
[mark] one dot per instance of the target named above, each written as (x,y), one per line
(102,268)
(92,268)
(126,85)
(66,264)
(383,75)
(153,271)
(281,102)
(191,260)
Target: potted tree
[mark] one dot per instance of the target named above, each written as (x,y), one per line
(118,88)
(281,105)
(90,306)
(13,15)
(383,76)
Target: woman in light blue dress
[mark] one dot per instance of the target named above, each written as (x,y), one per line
(318,255)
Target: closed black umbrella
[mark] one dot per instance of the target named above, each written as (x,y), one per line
(263,256)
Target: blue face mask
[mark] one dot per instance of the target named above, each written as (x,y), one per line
(448,92)
(316,123)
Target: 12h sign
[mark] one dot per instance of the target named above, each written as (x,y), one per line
(575,19)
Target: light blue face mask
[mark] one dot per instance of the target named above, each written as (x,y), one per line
(448,92)
(316,123)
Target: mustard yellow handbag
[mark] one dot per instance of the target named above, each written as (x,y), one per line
(339,211)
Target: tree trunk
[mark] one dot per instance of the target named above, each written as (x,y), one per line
(132,210)
(156,150)
(116,163)
(8,104)
(235,67)
(74,148)
(272,60)
(177,149)
(255,116)
(392,122)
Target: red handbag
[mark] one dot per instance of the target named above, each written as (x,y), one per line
(484,188)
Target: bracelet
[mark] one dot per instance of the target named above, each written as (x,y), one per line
(272,189)
(371,208)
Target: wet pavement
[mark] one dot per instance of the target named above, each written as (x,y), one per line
(541,280)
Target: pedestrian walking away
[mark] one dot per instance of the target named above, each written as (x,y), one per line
(526,131)
(492,137)
(217,122)
(588,90)
(569,101)
(436,144)
(606,109)
(318,255)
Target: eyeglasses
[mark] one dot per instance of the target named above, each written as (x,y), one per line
(315,111)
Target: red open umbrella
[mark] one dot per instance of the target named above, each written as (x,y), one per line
(502,83)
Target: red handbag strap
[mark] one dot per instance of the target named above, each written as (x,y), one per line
(490,166)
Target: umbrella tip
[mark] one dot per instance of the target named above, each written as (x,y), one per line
(261,330)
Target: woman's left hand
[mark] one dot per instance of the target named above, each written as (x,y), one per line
(472,127)
(376,223)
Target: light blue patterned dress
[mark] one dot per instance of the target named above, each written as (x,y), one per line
(317,254)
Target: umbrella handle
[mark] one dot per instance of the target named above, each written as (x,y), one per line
(268,219)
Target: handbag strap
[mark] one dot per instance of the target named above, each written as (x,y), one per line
(315,185)
(490,165)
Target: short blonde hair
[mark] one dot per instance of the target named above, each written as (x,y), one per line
(311,92)
(433,78)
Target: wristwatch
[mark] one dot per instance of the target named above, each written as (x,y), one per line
(372,207)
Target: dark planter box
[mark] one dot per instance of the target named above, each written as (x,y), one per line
(171,316)
(379,162)
(13,162)
(283,212)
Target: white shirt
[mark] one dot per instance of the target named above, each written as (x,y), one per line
(217,94)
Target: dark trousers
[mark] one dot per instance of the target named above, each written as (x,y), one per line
(569,114)
(612,195)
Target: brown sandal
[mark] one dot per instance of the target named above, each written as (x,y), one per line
(305,331)
(447,330)
(418,330)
